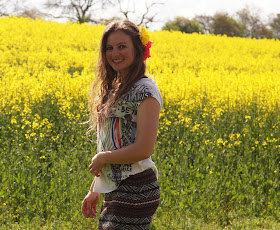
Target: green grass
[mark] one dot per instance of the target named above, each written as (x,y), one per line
(218,169)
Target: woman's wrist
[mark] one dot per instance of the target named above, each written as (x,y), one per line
(103,157)
(90,192)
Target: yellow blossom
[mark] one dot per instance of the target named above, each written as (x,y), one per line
(247,117)
(13,121)
(237,143)
(144,36)
(220,141)
(195,127)
(231,136)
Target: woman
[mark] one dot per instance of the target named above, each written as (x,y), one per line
(128,110)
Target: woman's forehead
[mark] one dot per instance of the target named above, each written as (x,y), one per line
(118,37)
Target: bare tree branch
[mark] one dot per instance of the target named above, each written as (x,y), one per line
(32,13)
(144,18)
(206,22)
(75,10)
(252,21)
(3,5)
(125,12)
(11,7)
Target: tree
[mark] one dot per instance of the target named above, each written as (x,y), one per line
(145,17)
(275,26)
(224,24)
(107,21)
(87,10)
(11,7)
(76,10)
(3,6)
(31,13)
(254,27)
(184,25)
(264,32)
(206,23)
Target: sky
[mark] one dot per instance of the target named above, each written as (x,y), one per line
(190,8)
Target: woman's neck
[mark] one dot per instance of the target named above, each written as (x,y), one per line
(121,77)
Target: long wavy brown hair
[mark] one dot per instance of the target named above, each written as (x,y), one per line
(108,86)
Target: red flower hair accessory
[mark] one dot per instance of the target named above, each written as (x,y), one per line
(147,50)
(145,39)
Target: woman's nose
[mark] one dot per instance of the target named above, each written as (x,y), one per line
(115,52)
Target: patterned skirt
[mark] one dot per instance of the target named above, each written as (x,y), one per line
(132,205)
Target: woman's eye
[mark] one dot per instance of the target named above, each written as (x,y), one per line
(109,48)
(122,46)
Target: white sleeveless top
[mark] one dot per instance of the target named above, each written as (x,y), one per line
(119,130)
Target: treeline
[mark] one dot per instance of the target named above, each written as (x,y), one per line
(246,23)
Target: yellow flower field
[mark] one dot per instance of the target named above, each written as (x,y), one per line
(226,72)
(39,58)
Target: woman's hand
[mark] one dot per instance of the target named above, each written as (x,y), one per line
(97,164)
(89,205)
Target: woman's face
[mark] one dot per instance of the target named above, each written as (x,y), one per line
(120,52)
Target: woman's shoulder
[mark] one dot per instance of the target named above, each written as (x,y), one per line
(148,87)
(146,81)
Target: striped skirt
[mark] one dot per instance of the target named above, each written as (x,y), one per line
(132,204)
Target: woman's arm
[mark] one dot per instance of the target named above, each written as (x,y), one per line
(142,148)
(89,205)
(92,184)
